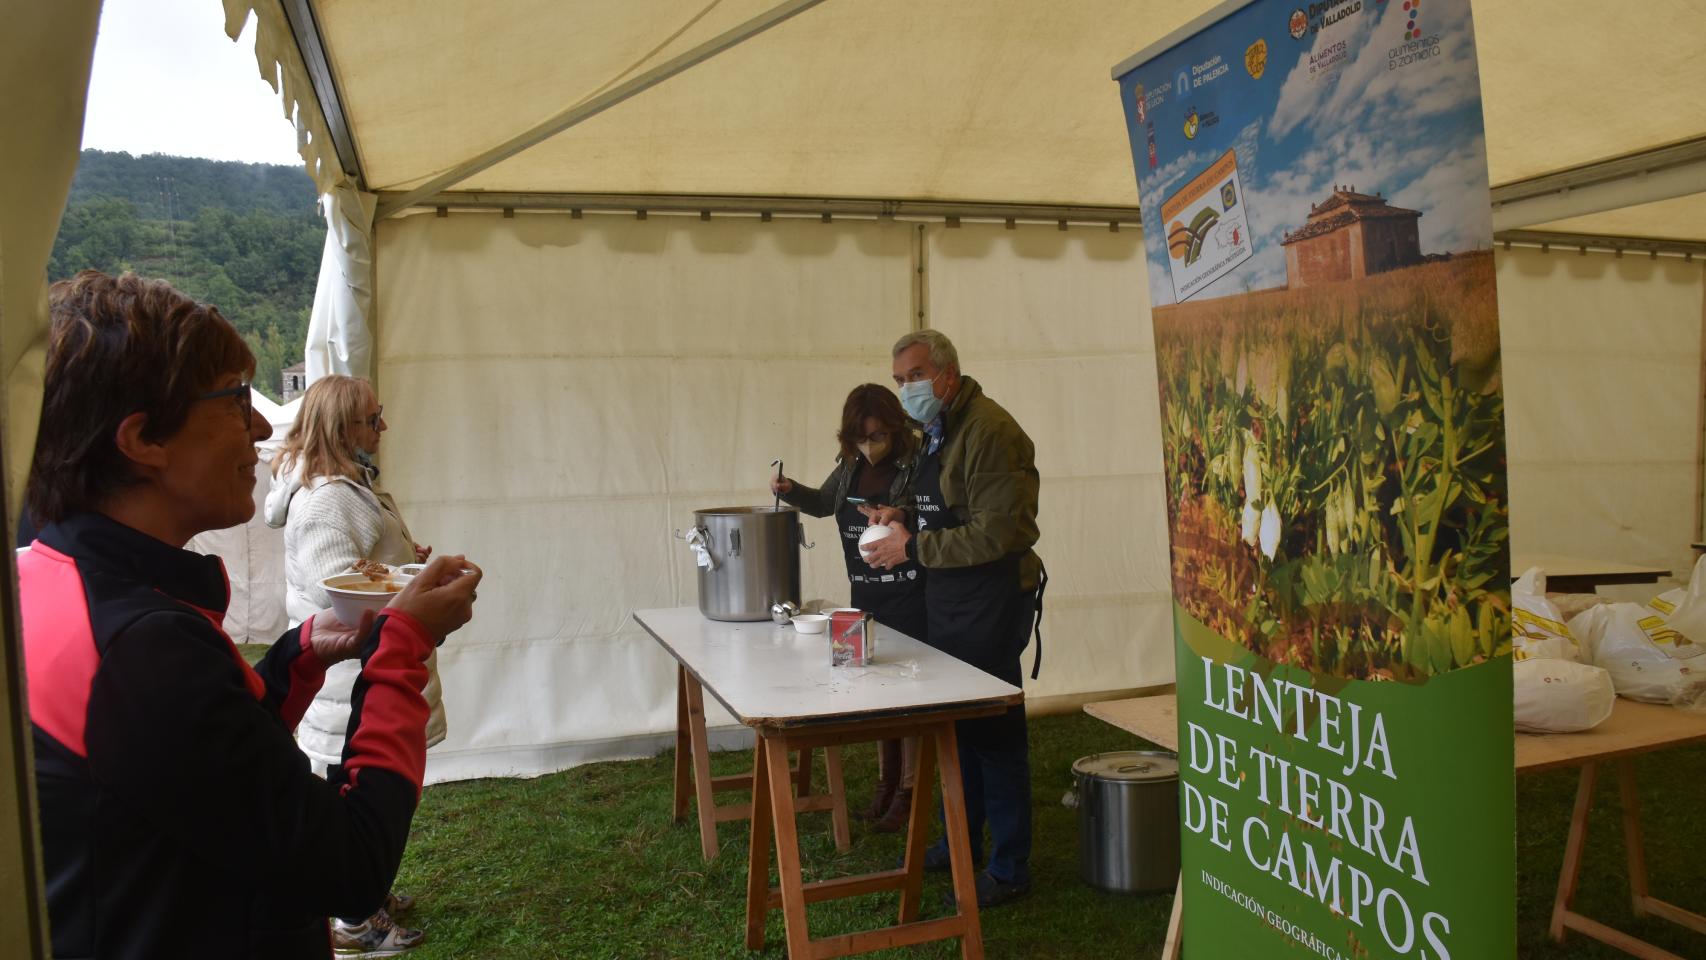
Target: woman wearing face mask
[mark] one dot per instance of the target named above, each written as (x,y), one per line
(326,497)
(875,467)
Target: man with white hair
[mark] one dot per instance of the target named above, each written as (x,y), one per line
(976,503)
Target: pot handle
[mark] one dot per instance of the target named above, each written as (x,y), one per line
(734,542)
(698,539)
(803,541)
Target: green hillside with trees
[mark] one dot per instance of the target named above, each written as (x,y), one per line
(245,237)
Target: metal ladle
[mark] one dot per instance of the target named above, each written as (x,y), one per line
(778,465)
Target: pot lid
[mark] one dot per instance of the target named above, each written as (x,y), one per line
(1129,765)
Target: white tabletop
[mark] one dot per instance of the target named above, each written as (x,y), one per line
(772,676)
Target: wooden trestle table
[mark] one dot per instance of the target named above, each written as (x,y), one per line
(1633,728)
(1577,575)
(781,684)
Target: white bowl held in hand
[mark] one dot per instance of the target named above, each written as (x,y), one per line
(351,593)
(871,535)
(811,623)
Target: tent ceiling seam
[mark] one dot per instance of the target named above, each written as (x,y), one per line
(599,103)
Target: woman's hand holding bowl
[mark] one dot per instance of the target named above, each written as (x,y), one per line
(441,596)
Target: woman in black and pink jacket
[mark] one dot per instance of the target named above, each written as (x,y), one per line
(178,817)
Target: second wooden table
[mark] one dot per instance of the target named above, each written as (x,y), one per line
(781,684)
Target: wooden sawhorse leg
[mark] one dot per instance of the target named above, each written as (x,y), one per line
(792,894)
(1564,918)
(694,783)
(1172,947)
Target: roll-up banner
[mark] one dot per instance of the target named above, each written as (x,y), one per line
(1318,241)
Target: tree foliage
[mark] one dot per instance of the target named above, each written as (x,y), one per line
(245,237)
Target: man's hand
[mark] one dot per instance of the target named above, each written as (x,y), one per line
(890,551)
(422,553)
(334,641)
(879,516)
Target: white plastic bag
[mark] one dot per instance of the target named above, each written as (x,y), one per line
(1687,613)
(1538,630)
(1554,692)
(1648,659)
(1560,696)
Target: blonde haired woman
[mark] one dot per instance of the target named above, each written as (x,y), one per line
(325,496)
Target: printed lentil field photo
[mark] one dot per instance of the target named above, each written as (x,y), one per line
(1335,465)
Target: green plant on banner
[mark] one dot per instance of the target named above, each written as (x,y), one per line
(1335,468)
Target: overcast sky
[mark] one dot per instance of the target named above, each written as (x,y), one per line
(167,80)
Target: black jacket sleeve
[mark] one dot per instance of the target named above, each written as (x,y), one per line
(292,674)
(817,501)
(176,733)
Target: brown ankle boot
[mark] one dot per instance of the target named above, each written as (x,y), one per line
(894,819)
(880,800)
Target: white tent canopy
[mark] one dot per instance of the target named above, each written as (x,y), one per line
(564,390)
(995,101)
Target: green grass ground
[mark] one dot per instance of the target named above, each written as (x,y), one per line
(586,863)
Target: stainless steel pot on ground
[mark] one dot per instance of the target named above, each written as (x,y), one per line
(754,560)
(1128,820)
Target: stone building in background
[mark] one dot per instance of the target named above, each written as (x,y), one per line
(1351,235)
(295,380)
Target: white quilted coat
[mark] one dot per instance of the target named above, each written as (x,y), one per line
(330,523)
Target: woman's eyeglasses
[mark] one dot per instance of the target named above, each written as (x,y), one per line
(373,421)
(245,403)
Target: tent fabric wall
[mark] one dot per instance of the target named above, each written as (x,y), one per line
(340,339)
(564,393)
(1602,376)
(45,52)
(1055,325)
(44,71)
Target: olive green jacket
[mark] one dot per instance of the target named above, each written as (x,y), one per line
(989,480)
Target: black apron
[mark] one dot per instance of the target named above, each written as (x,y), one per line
(972,610)
(895,597)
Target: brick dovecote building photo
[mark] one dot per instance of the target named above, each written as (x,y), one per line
(1351,235)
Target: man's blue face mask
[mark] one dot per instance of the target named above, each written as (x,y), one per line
(919,399)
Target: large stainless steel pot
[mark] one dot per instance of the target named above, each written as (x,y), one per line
(754,560)
(1128,820)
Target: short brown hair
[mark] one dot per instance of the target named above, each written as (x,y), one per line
(118,346)
(320,442)
(873,400)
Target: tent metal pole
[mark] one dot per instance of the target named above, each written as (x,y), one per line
(837,207)
(598,104)
(1646,176)
(920,280)
(1610,243)
(312,48)
(1700,434)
